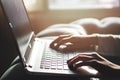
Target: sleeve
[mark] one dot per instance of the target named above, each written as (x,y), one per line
(109,44)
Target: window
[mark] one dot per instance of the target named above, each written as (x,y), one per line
(29,4)
(82,4)
(34,5)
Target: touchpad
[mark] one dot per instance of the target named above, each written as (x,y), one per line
(88,71)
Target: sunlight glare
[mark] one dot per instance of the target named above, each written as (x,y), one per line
(30,4)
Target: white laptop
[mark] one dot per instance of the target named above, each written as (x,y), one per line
(35,53)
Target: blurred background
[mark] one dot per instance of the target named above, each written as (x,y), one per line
(44,13)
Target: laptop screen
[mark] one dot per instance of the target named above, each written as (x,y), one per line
(19,23)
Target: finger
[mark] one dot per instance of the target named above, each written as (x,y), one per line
(93,63)
(54,43)
(64,41)
(72,62)
(67,48)
(80,57)
(95,55)
(76,65)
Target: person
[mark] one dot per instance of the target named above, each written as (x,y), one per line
(81,43)
(94,43)
(78,41)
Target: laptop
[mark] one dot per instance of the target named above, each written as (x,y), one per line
(36,56)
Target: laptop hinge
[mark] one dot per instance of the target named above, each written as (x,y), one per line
(27,65)
(30,44)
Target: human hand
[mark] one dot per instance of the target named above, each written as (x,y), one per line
(72,43)
(97,62)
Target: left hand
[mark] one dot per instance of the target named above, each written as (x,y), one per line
(70,43)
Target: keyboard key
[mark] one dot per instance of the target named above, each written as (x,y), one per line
(60,67)
(65,67)
(53,67)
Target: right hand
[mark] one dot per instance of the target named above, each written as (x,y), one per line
(94,60)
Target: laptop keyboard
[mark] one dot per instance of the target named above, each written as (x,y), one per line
(54,60)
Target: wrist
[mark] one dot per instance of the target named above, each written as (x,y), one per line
(94,39)
(94,42)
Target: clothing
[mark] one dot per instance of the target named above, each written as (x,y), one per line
(109,44)
(15,72)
